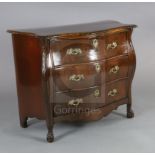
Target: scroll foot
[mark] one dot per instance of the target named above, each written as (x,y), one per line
(130,114)
(50,137)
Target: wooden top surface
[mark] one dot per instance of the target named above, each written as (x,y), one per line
(77,28)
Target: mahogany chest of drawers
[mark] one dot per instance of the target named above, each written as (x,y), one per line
(73,73)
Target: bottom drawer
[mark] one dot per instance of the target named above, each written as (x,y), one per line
(116,91)
(90,99)
(79,101)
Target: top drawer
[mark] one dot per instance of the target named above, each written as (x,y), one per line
(77,51)
(116,44)
(74,51)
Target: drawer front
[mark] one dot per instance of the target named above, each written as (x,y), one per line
(77,51)
(79,101)
(116,44)
(116,68)
(79,76)
(116,91)
(90,99)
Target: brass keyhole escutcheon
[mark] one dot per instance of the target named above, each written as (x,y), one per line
(98,67)
(95,43)
(97,93)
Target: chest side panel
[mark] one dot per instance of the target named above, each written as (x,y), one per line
(27,57)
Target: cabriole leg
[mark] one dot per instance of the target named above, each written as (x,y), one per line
(47,83)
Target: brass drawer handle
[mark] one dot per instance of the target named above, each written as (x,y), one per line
(97,67)
(113,45)
(97,93)
(95,43)
(113,92)
(76,77)
(75,102)
(74,51)
(114,70)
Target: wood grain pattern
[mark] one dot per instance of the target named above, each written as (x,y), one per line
(94,115)
(27,56)
(122,44)
(120,61)
(70,30)
(90,76)
(89,53)
(43,71)
(90,101)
